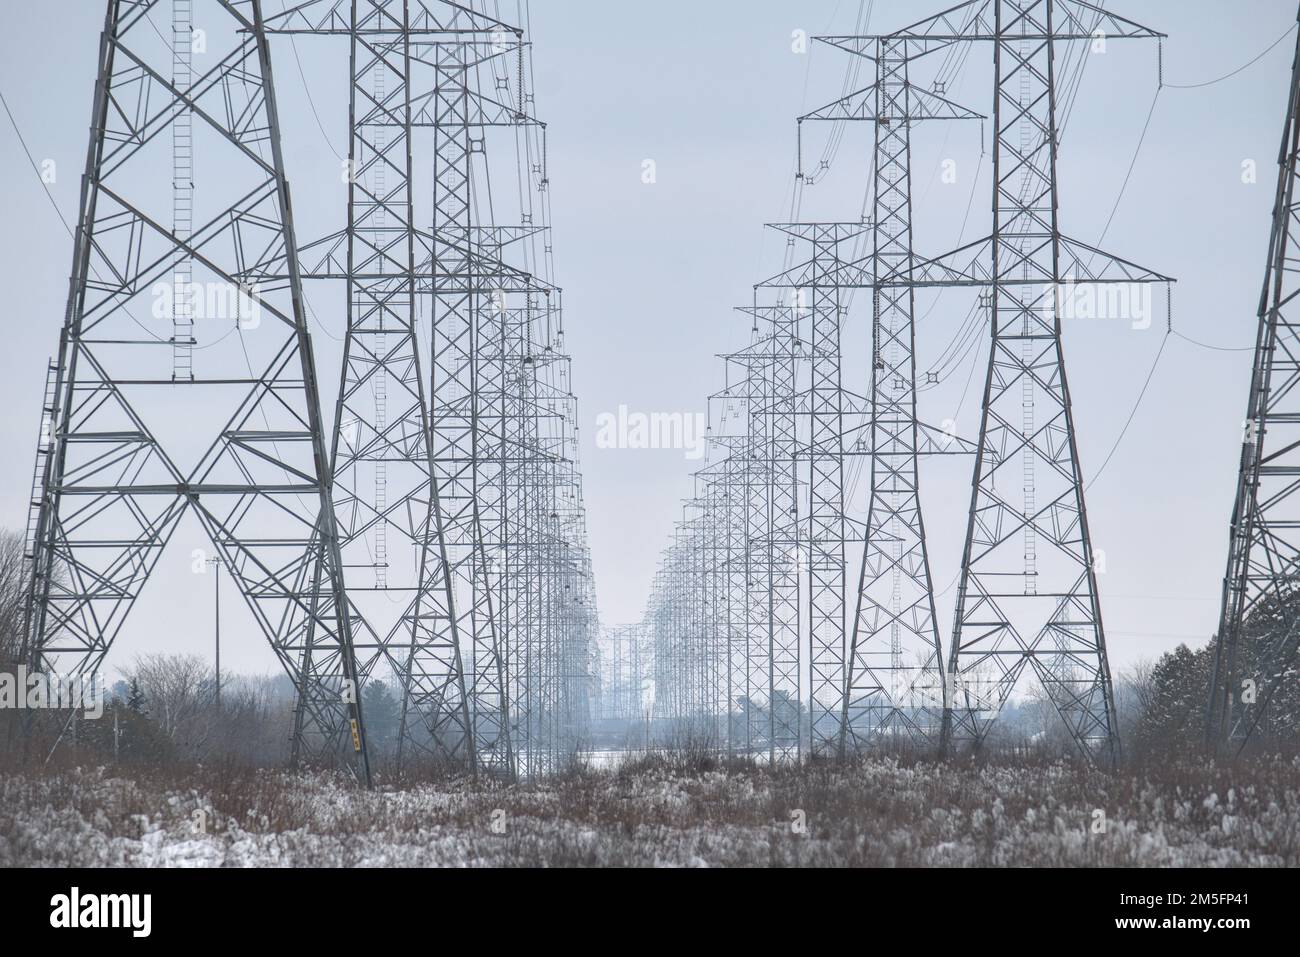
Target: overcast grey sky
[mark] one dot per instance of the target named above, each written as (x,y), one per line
(710,90)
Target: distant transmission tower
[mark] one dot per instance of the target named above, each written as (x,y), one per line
(820,539)
(750,470)
(134,445)
(1259,625)
(895,672)
(383,457)
(777,406)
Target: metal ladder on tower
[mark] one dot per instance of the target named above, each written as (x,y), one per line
(1027,397)
(48,415)
(381,374)
(182,339)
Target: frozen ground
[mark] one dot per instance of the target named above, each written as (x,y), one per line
(651,813)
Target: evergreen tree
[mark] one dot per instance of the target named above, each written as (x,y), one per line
(135,700)
(382,715)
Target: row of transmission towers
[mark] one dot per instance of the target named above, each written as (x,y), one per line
(787,624)
(620,670)
(434,529)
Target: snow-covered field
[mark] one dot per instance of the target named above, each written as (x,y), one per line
(879,812)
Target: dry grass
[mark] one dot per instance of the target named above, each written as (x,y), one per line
(678,810)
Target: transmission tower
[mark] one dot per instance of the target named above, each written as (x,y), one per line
(133,446)
(731,553)
(708,606)
(621,673)
(1027,596)
(895,673)
(506,521)
(385,450)
(754,365)
(751,465)
(820,540)
(469,375)
(778,405)
(1259,627)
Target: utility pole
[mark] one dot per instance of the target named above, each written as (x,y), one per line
(217,564)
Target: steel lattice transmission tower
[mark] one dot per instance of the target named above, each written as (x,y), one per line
(239,442)
(895,673)
(1259,627)
(895,681)
(760,652)
(493,646)
(756,365)
(730,494)
(774,411)
(467,417)
(621,674)
(384,455)
(1027,595)
(820,540)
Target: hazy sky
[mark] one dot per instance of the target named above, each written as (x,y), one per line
(709,91)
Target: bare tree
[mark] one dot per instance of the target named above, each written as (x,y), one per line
(1134,692)
(179,691)
(13,596)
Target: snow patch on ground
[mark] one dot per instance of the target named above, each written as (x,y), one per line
(878,812)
